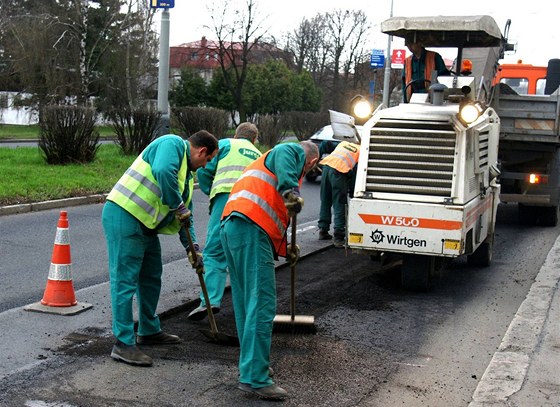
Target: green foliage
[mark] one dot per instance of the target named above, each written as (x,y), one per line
(190,90)
(68,134)
(135,128)
(271,129)
(270,88)
(28,178)
(307,96)
(189,120)
(305,124)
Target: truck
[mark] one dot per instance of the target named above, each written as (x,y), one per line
(529,151)
(427,186)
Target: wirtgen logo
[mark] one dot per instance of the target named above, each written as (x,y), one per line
(377,237)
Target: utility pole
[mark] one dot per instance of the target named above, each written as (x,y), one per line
(387,77)
(163,78)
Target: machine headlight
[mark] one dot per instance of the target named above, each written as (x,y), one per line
(469,112)
(361,108)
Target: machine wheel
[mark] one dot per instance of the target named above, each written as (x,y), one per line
(526,214)
(416,272)
(549,216)
(482,256)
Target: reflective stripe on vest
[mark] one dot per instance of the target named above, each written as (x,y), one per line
(255,196)
(343,158)
(242,153)
(429,66)
(138,192)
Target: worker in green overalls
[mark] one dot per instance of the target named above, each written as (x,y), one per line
(153,196)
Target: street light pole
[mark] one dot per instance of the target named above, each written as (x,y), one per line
(163,78)
(387,77)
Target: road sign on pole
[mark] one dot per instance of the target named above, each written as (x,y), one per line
(397,58)
(162,3)
(377,58)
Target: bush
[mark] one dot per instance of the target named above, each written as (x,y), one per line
(67,134)
(305,124)
(135,128)
(271,129)
(189,120)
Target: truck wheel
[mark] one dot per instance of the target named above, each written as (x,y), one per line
(526,214)
(482,256)
(549,216)
(416,272)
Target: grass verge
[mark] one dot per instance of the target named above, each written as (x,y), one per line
(31,132)
(26,177)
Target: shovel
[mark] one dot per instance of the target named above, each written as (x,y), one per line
(212,334)
(294,323)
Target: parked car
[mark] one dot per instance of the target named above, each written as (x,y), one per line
(324,134)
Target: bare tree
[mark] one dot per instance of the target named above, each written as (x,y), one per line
(237,31)
(63,48)
(330,46)
(348,29)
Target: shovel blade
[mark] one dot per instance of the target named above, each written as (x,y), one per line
(220,338)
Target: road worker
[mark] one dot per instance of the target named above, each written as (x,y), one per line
(153,196)
(253,233)
(418,69)
(337,179)
(216,181)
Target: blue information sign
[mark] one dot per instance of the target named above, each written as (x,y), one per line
(162,3)
(377,58)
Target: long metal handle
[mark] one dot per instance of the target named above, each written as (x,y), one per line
(293,272)
(199,272)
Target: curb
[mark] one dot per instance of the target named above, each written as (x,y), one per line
(57,203)
(509,366)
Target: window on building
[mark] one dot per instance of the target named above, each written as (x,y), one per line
(194,56)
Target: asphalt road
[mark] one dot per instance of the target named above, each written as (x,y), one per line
(376,344)
(26,244)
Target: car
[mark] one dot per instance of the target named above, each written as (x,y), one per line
(324,138)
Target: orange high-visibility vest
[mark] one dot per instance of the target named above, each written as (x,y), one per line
(429,66)
(255,196)
(343,158)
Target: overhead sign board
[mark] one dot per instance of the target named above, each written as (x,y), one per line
(397,58)
(377,58)
(162,3)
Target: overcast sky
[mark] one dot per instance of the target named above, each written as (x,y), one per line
(535,29)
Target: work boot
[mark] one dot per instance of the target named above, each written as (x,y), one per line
(324,235)
(158,339)
(272,392)
(200,312)
(130,354)
(338,239)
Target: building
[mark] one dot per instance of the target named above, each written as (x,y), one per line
(204,55)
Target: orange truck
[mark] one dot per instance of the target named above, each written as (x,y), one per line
(525,79)
(527,101)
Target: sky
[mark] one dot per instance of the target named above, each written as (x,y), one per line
(535,30)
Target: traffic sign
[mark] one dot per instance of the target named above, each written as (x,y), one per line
(377,58)
(397,58)
(162,3)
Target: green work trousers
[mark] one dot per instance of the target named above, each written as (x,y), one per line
(251,266)
(135,268)
(334,191)
(215,265)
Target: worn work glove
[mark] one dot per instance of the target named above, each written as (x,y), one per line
(292,255)
(183,215)
(198,262)
(293,202)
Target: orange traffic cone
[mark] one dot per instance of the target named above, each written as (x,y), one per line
(59,292)
(60,289)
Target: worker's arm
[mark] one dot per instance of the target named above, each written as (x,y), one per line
(205,175)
